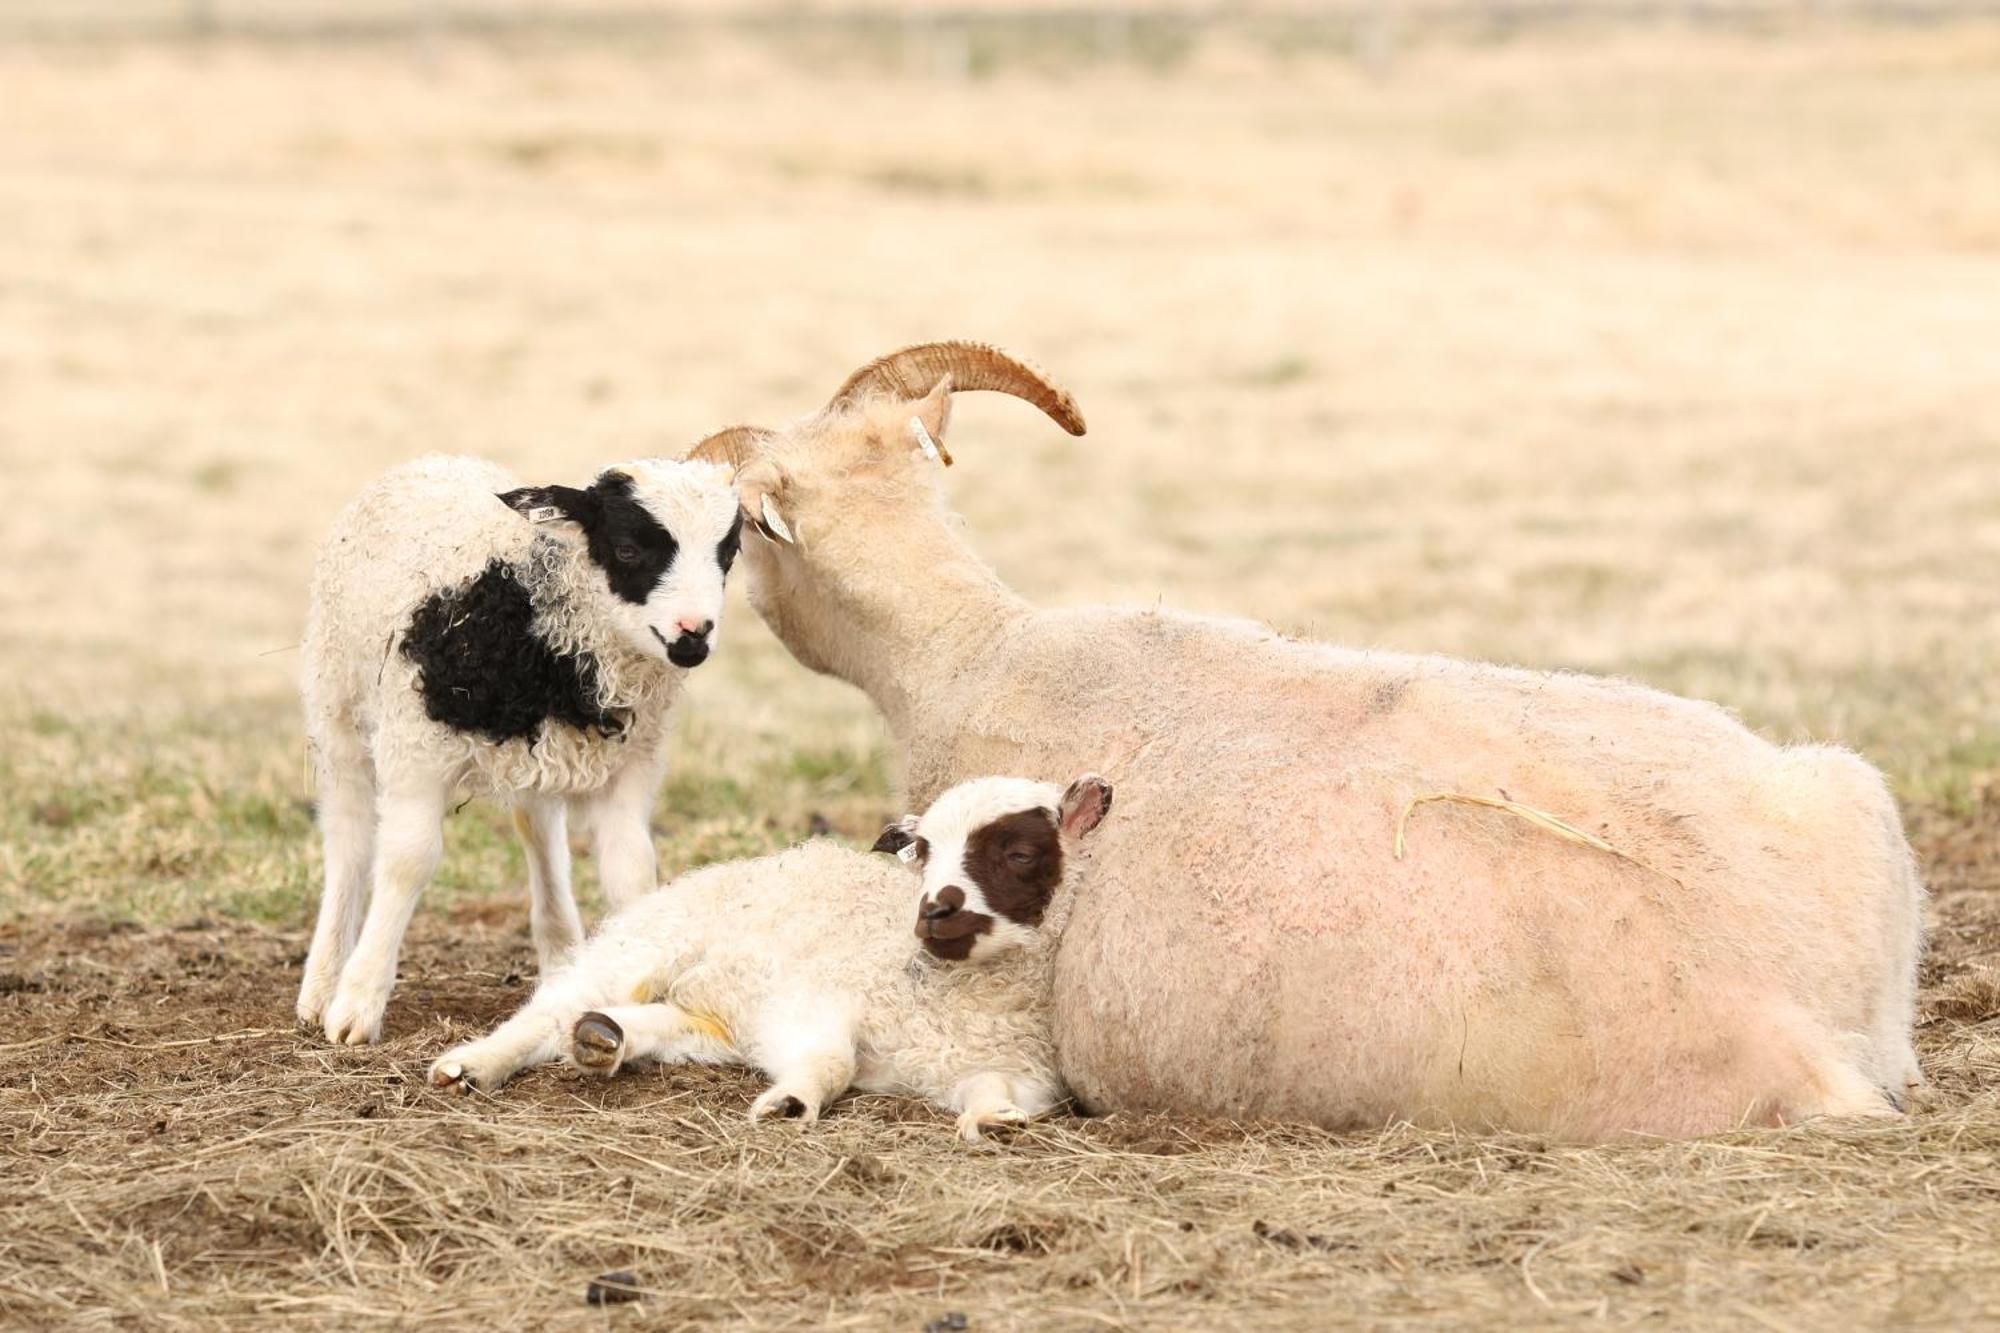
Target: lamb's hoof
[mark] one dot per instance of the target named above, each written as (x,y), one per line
(777,1103)
(354,1020)
(1000,1117)
(596,1042)
(454,1075)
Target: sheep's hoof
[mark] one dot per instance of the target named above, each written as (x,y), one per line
(596,1042)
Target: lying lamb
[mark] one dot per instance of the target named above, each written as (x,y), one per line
(801,964)
(469,635)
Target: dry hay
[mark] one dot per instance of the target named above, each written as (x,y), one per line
(162,1180)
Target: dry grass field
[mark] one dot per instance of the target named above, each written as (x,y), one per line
(1667,354)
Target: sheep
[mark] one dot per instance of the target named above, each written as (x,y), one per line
(1629,914)
(802,964)
(469,635)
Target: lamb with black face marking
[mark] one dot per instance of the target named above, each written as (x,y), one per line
(801,964)
(469,635)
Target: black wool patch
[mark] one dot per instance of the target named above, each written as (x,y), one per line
(726,549)
(626,541)
(481,667)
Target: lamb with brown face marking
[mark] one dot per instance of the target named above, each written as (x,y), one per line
(802,965)
(992,857)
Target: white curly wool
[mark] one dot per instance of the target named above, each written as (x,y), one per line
(803,964)
(1252,944)
(400,659)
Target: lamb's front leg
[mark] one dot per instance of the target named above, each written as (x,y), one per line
(992,1101)
(806,1044)
(621,822)
(541,820)
(537,1033)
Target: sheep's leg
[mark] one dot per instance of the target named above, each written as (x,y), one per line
(990,1101)
(409,835)
(347,840)
(622,823)
(605,1040)
(551,902)
(806,1045)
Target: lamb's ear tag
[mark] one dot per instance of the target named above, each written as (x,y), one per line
(544,514)
(907,852)
(775,523)
(932,449)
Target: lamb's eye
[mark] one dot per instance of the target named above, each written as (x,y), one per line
(625,553)
(1020,858)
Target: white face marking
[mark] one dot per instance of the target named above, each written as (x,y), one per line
(697,506)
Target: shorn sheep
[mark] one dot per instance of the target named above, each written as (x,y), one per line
(803,965)
(472,636)
(1335,891)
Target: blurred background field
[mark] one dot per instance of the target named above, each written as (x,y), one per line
(1658,348)
(1661,340)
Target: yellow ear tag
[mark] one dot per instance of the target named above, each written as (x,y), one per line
(932,449)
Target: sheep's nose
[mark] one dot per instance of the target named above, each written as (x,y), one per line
(689,650)
(933,910)
(689,626)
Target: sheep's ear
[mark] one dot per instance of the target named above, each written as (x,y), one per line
(757,486)
(551,504)
(929,416)
(1084,805)
(895,837)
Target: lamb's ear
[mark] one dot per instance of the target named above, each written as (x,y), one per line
(895,837)
(552,504)
(1084,805)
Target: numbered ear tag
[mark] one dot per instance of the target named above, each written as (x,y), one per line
(932,449)
(544,514)
(907,852)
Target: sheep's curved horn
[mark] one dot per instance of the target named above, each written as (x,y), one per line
(735,446)
(914,371)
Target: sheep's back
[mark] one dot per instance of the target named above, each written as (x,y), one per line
(1248,941)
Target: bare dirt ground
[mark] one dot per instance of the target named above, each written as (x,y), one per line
(176,1153)
(1653,353)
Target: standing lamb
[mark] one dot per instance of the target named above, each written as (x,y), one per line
(469,635)
(802,964)
(1284,894)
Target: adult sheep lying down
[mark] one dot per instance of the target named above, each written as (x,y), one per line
(1739,945)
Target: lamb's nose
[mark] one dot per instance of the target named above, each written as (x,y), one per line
(698,628)
(932,910)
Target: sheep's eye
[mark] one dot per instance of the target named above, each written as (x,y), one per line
(1020,858)
(625,553)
